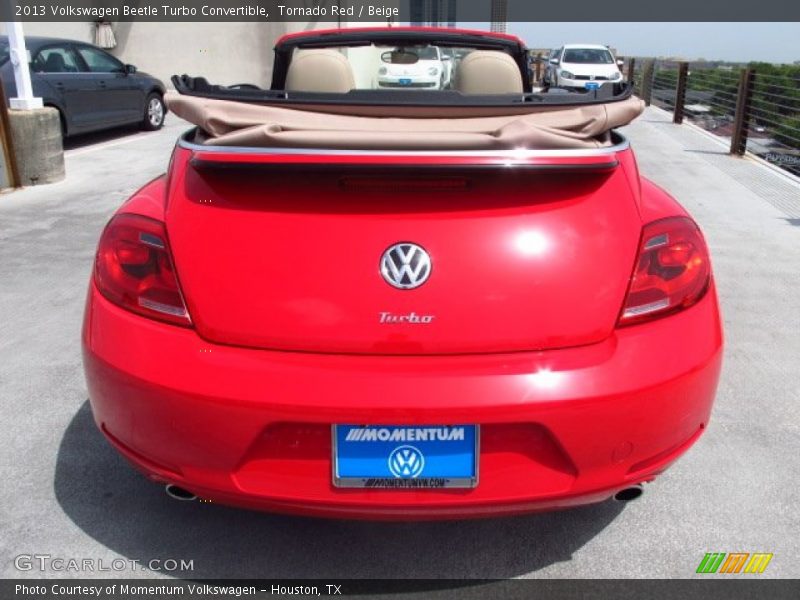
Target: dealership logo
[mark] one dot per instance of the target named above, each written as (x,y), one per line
(405,266)
(406,434)
(406,462)
(734,562)
(85,564)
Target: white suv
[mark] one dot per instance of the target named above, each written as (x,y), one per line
(585,66)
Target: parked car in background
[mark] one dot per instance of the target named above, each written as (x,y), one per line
(415,67)
(448,63)
(583,66)
(549,68)
(91,89)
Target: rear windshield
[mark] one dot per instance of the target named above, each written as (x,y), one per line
(377,72)
(595,56)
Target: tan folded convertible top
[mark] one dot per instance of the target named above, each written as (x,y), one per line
(229,123)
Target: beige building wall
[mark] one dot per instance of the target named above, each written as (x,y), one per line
(73,31)
(222,53)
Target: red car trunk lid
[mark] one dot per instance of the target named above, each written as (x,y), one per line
(524,255)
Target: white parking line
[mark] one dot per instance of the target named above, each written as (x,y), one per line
(103,146)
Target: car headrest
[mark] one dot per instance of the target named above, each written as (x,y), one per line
(55,63)
(321,70)
(488,72)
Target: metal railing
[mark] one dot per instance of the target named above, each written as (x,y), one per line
(756,107)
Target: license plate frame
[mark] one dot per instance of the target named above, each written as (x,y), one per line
(345,478)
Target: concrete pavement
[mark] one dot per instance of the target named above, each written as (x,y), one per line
(66,493)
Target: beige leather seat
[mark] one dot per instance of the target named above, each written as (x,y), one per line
(488,72)
(321,70)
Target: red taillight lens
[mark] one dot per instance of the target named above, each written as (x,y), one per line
(672,270)
(134,270)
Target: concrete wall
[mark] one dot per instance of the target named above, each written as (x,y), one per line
(73,31)
(225,54)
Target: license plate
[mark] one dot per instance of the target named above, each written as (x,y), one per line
(404,81)
(405,457)
(592,85)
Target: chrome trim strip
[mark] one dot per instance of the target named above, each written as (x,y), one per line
(624,144)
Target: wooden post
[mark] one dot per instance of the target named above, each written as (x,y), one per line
(680,93)
(741,122)
(538,67)
(631,69)
(647,81)
(7,140)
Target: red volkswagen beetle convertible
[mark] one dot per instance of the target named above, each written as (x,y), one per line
(358,300)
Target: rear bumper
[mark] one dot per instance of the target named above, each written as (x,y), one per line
(252,427)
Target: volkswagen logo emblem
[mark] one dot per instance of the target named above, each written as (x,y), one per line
(406,462)
(405,266)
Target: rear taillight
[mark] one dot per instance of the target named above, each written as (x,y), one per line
(672,270)
(134,269)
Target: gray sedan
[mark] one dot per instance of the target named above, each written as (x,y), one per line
(91,89)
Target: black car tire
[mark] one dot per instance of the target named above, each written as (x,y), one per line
(154,112)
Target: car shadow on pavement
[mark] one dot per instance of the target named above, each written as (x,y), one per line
(123,511)
(107,135)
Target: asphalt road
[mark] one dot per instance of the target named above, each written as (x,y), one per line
(66,493)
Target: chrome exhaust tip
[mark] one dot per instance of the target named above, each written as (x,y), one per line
(178,493)
(630,493)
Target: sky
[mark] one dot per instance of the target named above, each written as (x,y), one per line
(735,42)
